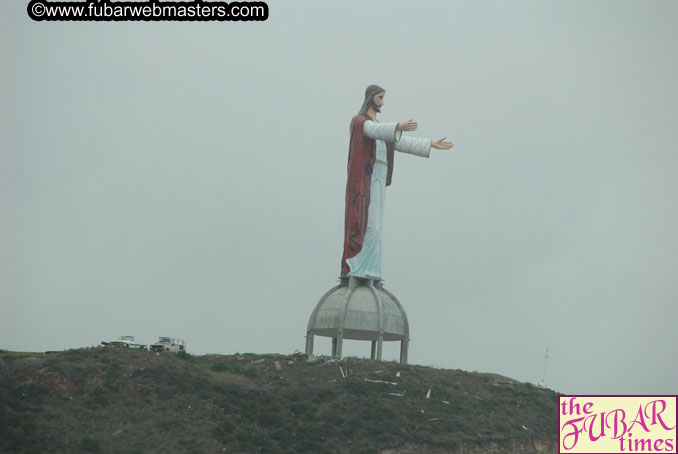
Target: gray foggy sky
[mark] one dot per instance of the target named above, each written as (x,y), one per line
(187,179)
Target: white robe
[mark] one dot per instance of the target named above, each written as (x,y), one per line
(367,263)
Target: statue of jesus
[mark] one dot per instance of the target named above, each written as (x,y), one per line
(370,167)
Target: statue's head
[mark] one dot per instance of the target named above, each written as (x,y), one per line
(374,98)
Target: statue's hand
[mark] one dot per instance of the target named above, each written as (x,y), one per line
(409,125)
(441,144)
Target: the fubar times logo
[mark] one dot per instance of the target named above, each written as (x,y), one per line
(617,424)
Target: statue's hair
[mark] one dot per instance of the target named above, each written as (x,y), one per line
(369,98)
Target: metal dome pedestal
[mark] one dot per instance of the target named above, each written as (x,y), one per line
(360,309)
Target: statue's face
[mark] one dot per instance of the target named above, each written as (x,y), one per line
(378,101)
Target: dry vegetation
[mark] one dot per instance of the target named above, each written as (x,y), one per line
(104,400)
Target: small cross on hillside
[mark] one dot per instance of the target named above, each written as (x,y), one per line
(546,357)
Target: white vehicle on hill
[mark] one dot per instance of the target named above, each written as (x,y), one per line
(169,344)
(125,342)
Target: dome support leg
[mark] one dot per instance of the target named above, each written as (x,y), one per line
(404,346)
(309,343)
(380,341)
(374,350)
(337,344)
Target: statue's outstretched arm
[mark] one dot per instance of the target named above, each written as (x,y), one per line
(390,132)
(414,145)
(420,146)
(382,131)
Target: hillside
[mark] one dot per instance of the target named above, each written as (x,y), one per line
(104,400)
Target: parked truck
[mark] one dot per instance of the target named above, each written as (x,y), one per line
(169,344)
(124,342)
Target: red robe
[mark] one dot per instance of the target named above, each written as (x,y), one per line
(361,156)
